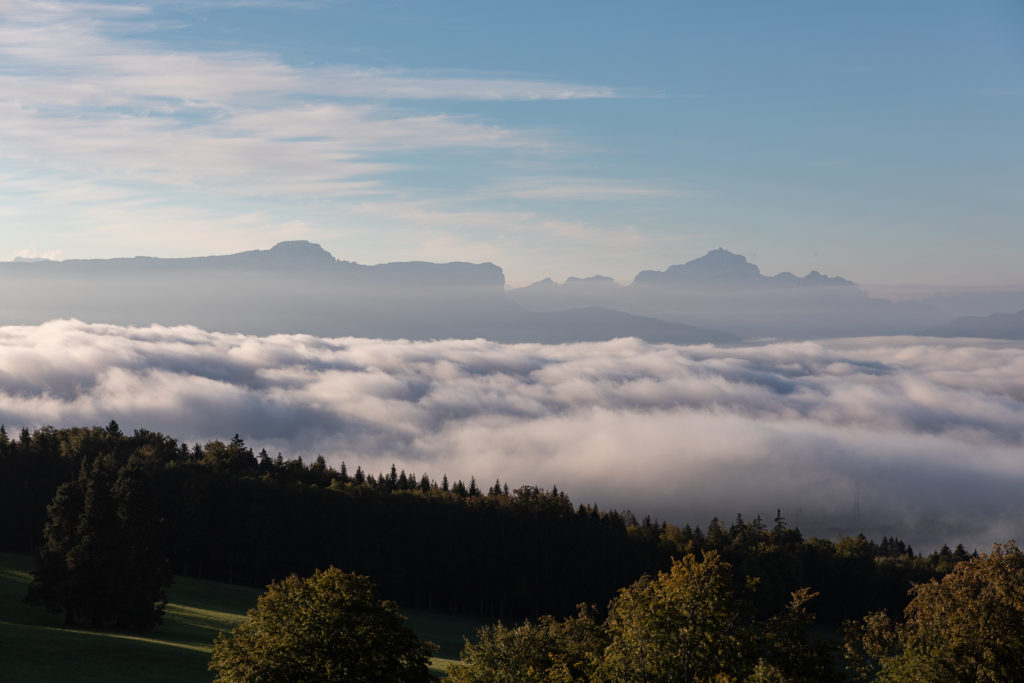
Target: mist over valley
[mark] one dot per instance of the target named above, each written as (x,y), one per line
(907,436)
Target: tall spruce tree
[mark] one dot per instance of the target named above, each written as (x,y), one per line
(101,558)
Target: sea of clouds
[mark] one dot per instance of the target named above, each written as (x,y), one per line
(918,437)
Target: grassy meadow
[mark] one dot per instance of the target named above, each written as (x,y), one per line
(35,647)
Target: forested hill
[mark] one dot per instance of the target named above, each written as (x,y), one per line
(232,515)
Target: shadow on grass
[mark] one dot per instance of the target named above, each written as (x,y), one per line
(35,647)
(46,653)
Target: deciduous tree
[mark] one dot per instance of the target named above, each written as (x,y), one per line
(681,625)
(546,651)
(331,626)
(967,626)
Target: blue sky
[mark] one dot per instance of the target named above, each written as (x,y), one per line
(880,141)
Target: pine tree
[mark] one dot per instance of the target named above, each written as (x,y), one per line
(716,535)
(141,596)
(100,560)
(780,523)
(55,585)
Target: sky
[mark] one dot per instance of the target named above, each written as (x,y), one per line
(909,436)
(878,141)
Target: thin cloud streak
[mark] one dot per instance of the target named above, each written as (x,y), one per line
(582,188)
(109,125)
(82,97)
(917,437)
(74,40)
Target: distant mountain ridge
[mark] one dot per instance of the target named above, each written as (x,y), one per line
(296,255)
(724,290)
(299,287)
(717,268)
(720,267)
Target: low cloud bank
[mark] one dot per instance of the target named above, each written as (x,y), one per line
(918,437)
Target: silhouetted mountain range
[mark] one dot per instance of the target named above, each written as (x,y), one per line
(725,291)
(298,287)
(723,269)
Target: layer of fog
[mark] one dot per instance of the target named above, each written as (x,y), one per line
(918,437)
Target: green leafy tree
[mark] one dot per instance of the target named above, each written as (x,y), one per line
(331,626)
(869,644)
(547,651)
(968,626)
(683,624)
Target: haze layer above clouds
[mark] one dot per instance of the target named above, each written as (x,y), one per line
(919,437)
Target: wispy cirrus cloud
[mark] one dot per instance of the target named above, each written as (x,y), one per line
(76,39)
(111,126)
(593,189)
(87,90)
(921,438)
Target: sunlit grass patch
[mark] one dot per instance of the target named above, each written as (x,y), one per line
(36,647)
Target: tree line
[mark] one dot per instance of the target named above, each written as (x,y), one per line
(687,623)
(220,511)
(691,623)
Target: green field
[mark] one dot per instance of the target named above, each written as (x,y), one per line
(34,646)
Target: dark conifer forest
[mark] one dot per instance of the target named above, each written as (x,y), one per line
(225,513)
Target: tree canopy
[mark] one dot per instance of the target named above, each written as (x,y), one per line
(545,651)
(331,626)
(684,624)
(967,626)
(228,514)
(119,503)
(101,559)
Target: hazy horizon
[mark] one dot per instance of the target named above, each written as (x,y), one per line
(889,289)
